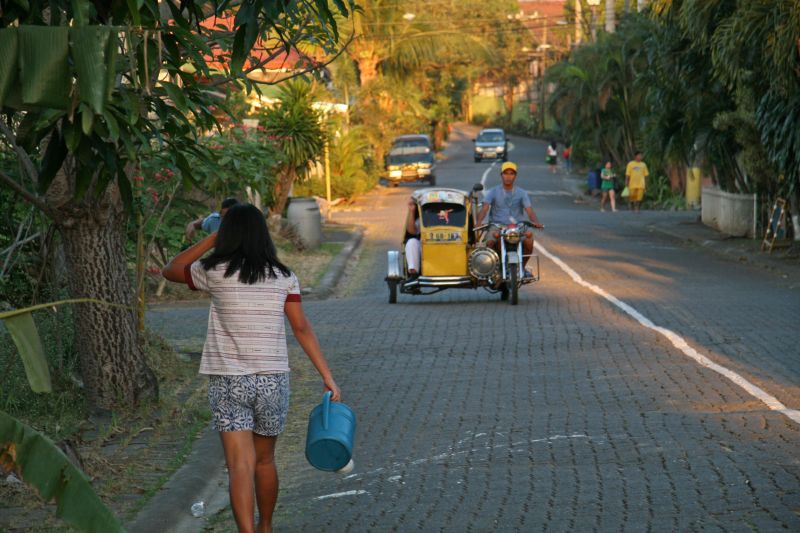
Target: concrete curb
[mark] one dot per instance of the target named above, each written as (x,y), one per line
(199,478)
(335,270)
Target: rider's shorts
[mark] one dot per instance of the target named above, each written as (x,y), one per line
(253,402)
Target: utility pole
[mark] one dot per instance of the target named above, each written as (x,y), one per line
(578,23)
(543,47)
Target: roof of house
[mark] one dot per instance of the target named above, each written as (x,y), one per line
(550,14)
(274,60)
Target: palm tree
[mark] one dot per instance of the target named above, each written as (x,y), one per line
(299,135)
(387,38)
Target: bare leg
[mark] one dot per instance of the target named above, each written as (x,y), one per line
(603,198)
(266,480)
(240,457)
(613,195)
(527,249)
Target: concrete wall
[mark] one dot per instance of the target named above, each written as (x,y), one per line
(729,213)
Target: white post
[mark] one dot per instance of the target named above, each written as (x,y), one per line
(327,180)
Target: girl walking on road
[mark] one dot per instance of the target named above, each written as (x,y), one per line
(607,187)
(552,156)
(245,354)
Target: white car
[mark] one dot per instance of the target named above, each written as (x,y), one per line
(491,143)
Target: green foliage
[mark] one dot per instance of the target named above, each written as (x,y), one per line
(597,102)
(351,169)
(719,88)
(243,157)
(295,126)
(749,52)
(660,195)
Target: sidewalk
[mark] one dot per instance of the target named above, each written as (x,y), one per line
(686,227)
(203,476)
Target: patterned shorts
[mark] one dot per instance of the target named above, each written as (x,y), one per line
(254,402)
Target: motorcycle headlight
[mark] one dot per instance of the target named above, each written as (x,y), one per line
(483,263)
(512,236)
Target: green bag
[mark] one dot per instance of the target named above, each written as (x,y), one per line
(625,192)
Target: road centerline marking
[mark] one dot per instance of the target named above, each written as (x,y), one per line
(677,341)
(486,172)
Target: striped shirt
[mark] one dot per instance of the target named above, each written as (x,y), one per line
(246,328)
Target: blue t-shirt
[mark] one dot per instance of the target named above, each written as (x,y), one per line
(507,205)
(211,223)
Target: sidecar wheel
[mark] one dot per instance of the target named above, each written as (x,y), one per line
(392,292)
(514,286)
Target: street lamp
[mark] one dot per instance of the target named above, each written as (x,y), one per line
(593,4)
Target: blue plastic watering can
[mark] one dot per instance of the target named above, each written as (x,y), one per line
(331,428)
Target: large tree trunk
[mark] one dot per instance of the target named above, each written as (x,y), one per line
(282,190)
(677,177)
(113,363)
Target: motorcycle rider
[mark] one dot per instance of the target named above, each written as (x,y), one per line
(507,204)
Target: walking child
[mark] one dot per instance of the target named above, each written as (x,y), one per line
(607,187)
(245,354)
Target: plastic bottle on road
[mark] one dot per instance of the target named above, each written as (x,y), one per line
(198,508)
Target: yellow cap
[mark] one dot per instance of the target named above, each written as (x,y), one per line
(508,165)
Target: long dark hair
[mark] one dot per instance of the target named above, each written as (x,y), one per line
(243,242)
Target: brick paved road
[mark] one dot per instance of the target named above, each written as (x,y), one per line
(562,414)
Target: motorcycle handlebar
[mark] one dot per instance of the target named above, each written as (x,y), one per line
(521,223)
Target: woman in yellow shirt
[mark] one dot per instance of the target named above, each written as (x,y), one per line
(636,180)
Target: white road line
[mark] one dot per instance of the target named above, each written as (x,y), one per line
(770,401)
(549,193)
(486,173)
(340,494)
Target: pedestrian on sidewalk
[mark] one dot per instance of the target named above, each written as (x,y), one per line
(607,177)
(211,223)
(567,154)
(552,156)
(245,353)
(636,180)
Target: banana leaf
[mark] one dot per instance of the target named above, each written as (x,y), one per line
(26,337)
(44,68)
(39,462)
(22,328)
(89,47)
(9,43)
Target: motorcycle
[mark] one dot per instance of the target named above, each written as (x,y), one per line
(512,271)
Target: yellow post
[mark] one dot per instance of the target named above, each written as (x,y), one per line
(327,180)
(693,186)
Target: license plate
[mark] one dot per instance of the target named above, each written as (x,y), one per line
(489,154)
